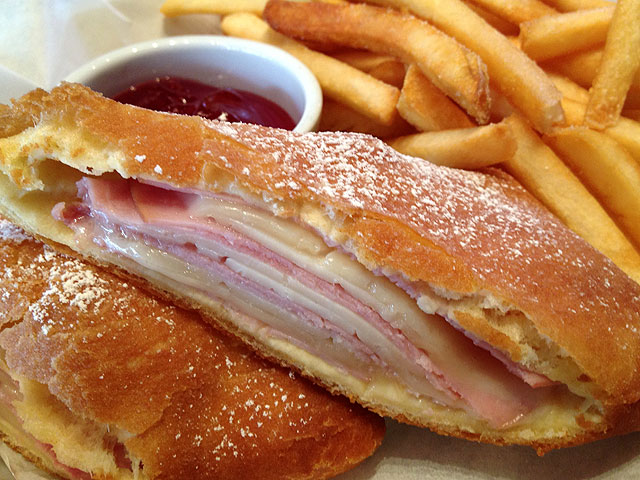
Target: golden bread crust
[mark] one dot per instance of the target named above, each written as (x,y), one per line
(116,356)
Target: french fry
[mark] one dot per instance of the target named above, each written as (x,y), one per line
(573,5)
(514,74)
(173,8)
(451,67)
(500,107)
(569,88)
(581,67)
(633,114)
(503,26)
(620,61)
(574,110)
(337,117)
(425,107)
(391,72)
(558,35)
(547,178)
(469,148)
(607,170)
(383,67)
(632,101)
(362,59)
(574,91)
(517,12)
(339,81)
(626,131)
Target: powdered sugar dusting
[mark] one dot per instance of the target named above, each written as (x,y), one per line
(256,411)
(64,284)
(511,244)
(357,172)
(69,282)
(458,207)
(78,286)
(12,233)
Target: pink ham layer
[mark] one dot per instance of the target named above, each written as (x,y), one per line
(162,217)
(534,379)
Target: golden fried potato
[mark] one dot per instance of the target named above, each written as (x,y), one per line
(337,117)
(512,73)
(454,69)
(173,8)
(554,36)
(339,81)
(544,175)
(573,5)
(469,148)
(607,170)
(626,131)
(516,12)
(620,62)
(425,107)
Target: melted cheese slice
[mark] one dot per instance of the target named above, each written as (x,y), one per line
(317,297)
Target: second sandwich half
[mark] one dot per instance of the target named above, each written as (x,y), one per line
(444,298)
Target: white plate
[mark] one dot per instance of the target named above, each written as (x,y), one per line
(13,85)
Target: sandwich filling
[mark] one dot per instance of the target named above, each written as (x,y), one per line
(24,402)
(287,281)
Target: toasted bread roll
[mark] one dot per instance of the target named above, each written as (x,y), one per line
(100,380)
(444,298)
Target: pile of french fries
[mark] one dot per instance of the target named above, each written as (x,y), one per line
(548,90)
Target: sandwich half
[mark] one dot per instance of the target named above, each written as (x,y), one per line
(447,299)
(100,380)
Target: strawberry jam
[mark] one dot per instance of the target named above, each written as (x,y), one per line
(189,97)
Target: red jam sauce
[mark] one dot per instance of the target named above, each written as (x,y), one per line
(189,97)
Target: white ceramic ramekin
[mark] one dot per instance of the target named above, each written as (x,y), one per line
(215,60)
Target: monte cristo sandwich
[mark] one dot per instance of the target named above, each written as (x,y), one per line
(100,380)
(443,298)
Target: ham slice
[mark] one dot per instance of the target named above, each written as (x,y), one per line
(275,271)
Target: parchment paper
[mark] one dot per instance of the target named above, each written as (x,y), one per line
(43,41)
